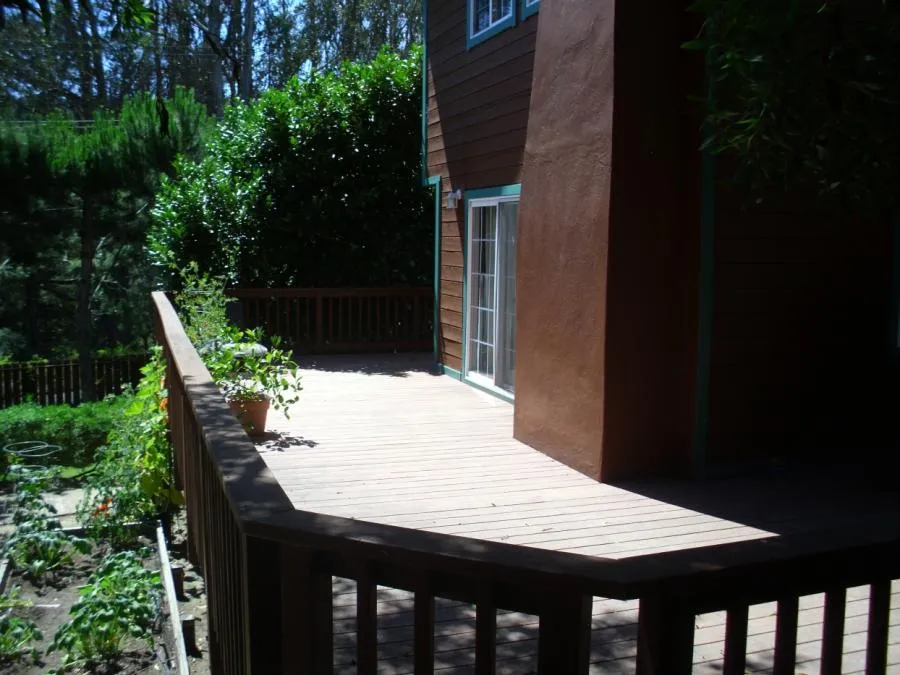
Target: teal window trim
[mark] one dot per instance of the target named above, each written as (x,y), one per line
(499,27)
(526,9)
(483,193)
(514,190)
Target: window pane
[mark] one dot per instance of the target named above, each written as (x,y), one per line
(481,15)
(500,10)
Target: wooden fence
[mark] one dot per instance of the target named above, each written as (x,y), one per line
(320,320)
(269,569)
(60,381)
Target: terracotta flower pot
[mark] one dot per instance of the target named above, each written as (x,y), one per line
(251,414)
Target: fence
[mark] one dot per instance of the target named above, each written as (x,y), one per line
(60,382)
(269,569)
(318,320)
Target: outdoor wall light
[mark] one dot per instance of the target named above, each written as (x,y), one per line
(453,198)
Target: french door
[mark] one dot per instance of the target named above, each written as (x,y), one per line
(491,297)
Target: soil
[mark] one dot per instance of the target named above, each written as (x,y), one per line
(193,601)
(50,609)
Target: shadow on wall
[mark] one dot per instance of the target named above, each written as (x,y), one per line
(477,123)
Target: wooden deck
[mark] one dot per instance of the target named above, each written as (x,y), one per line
(385,440)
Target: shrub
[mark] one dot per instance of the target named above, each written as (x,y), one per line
(131,480)
(316,184)
(79,431)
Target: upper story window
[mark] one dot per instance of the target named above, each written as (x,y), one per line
(530,7)
(489,17)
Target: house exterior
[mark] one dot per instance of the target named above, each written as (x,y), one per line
(593,267)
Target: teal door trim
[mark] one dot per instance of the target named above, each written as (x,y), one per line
(435,183)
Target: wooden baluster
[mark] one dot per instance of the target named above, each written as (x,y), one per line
(665,644)
(833,631)
(259,622)
(786,636)
(423,641)
(879,624)
(564,637)
(319,323)
(485,633)
(307,618)
(377,319)
(366,623)
(736,641)
(340,338)
(331,312)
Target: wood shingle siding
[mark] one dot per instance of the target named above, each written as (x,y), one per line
(476,132)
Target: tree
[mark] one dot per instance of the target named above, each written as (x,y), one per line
(313,185)
(101,176)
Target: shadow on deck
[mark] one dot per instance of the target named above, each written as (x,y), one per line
(380,439)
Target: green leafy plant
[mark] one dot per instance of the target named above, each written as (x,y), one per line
(120,600)
(240,366)
(244,372)
(17,635)
(132,479)
(37,545)
(806,95)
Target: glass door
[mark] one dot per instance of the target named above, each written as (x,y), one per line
(491,318)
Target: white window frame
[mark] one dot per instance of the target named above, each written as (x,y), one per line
(477,378)
(472,37)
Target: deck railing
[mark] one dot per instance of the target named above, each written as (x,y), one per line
(60,381)
(319,320)
(269,569)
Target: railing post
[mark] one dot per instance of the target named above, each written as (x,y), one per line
(564,634)
(319,321)
(307,618)
(665,644)
(263,609)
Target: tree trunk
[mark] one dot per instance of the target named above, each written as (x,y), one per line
(246,84)
(216,77)
(350,25)
(158,49)
(85,288)
(96,52)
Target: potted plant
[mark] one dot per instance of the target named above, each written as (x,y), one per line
(253,377)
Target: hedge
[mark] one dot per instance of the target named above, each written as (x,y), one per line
(79,431)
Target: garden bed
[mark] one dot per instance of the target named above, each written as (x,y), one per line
(47,605)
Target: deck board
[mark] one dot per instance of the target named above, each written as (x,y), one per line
(384,440)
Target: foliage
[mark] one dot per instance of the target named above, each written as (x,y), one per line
(317,184)
(79,430)
(807,94)
(16,634)
(245,372)
(203,306)
(38,545)
(121,599)
(73,218)
(132,480)
(237,361)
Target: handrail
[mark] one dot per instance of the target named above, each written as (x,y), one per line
(320,320)
(269,566)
